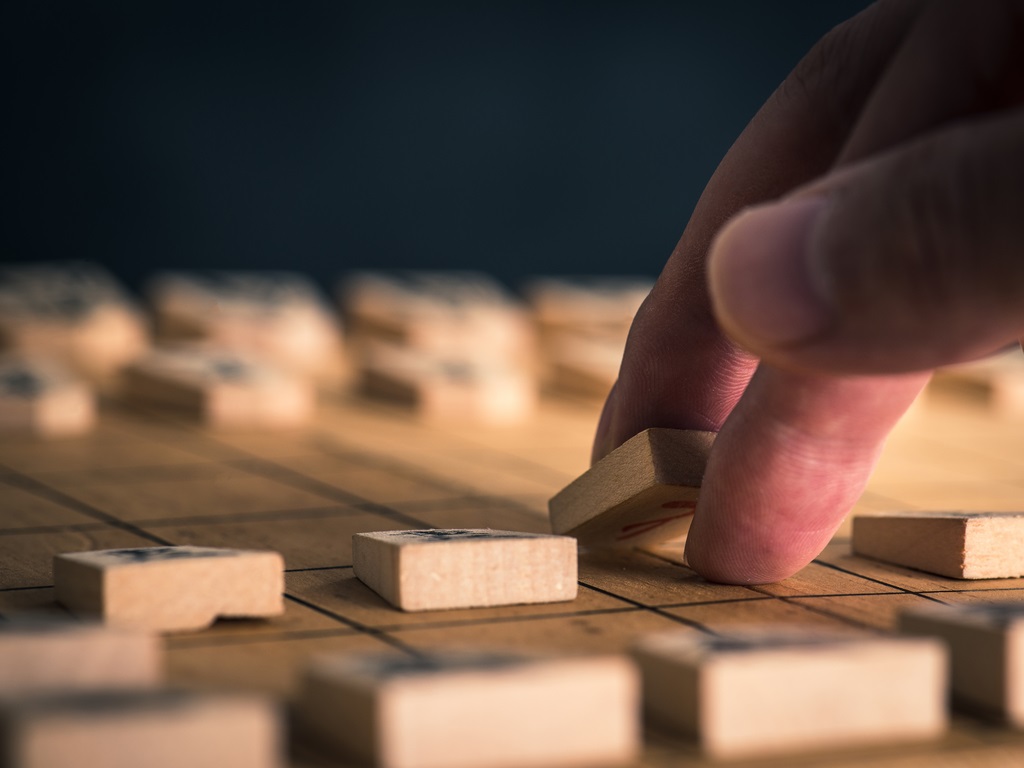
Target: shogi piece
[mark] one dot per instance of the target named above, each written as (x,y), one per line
(39,655)
(170,589)
(593,303)
(765,692)
(442,313)
(448,389)
(643,492)
(997,381)
(583,364)
(129,729)
(465,568)
(474,710)
(986,642)
(73,312)
(43,399)
(220,389)
(277,316)
(961,545)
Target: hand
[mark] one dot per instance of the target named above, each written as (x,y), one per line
(886,238)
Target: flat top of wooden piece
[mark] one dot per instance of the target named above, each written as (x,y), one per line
(200,365)
(64,291)
(143,556)
(435,536)
(921,515)
(135,483)
(235,292)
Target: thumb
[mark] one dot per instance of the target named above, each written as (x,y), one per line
(909,260)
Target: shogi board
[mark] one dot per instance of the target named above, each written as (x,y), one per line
(141,481)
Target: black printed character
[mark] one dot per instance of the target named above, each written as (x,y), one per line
(743,644)
(152,554)
(20,382)
(387,667)
(459,534)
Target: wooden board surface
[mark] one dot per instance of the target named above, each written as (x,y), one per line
(141,480)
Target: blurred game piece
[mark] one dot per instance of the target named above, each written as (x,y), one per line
(986,644)
(596,304)
(447,389)
(474,710)
(220,389)
(436,569)
(996,381)
(769,692)
(73,312)
(275,316)
(50,654)
(170,589)
(41,398)
(582,326)
(643,492)
(582,364)
(961,545)
(131,729)
(449,314)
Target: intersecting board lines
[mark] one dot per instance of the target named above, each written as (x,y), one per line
(304,493)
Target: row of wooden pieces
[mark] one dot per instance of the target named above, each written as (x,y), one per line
(450,344)
(645,492)
(870,689)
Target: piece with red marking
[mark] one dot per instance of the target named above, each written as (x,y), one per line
(643,492)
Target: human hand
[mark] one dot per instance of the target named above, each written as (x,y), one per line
(887,238)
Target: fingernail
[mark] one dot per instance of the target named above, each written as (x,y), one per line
(760,275)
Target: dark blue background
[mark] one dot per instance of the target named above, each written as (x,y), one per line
(517,138)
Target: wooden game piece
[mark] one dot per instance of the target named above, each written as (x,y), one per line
(465,314)
(996,381)
(474,710)
(128,729)
(276,316)
(38,655)
(588,303)
(437,569)
(170,589)
(448,389)
(221,389)
(583,364)
(986,643)
(766,692)
(41,398)
(73,312)
(961,545)
(643,492)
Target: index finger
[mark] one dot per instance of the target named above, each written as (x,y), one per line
(679,370)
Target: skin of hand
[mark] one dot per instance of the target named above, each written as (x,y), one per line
(866,227)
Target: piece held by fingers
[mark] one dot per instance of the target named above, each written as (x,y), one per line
(473,710)
(643,492)
(170,589)
(436,569)
(961,545)
(986,644)
(780,690)
(127,729)
(48,654)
